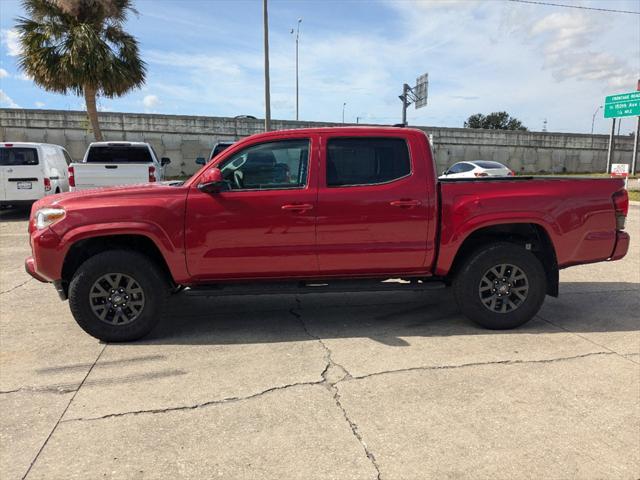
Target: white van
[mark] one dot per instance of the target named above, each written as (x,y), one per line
(30,171)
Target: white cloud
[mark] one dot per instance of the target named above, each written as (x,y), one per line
(569,51)
(10,38)
(18,76)
(7,101)
(39,104)
(150,101)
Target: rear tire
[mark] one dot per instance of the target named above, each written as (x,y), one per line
(500,286)
(118,295)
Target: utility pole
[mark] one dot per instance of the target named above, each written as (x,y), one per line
(267,93)
(405,102)
(343,105)
(611,145)
(634,158)
(297,39)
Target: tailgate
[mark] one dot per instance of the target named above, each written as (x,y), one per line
(96,175)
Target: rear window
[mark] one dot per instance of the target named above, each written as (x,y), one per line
(489,165)
(18,156)
(366,161)
(119,154)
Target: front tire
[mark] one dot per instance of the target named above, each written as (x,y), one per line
(118,295)
(500,286)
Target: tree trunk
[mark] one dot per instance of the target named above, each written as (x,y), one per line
(92,111)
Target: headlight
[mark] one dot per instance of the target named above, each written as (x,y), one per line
(48,216)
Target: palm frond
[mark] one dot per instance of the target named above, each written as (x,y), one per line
(69,45)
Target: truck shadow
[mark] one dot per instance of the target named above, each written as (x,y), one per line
(388,318)
(15,214)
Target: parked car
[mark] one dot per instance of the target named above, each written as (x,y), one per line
(217,149)
(30,171)
(477,168)
(108,164)
(322,210)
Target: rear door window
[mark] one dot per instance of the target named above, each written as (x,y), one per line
(67,157)
(489,165)
(18,156)
(119,154)
(366,161)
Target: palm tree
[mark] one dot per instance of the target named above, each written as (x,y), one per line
(80,46)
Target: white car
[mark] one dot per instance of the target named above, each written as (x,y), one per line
(30,171)
(108,164)
(477,168)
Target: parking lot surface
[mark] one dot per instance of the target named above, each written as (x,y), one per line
(361,386)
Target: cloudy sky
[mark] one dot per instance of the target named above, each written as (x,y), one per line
(205,58)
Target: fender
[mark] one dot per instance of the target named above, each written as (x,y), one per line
(173,255)
(452,239)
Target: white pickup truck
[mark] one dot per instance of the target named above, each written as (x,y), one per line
(108,164)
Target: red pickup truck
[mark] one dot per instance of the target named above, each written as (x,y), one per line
(327,209)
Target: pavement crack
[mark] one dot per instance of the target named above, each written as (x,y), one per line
(584,338)
(197,405)
(332,374)
(477,364)
(16,287)
(59,390)
(64,412)
(355,432)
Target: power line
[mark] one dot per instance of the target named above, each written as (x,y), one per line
(532,2)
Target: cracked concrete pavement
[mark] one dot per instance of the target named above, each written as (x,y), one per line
(388,386)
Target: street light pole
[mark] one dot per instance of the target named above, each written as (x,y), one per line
(343,105)
(297,40)
(267,93)
(593,119)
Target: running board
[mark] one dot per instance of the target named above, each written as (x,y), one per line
(336,286)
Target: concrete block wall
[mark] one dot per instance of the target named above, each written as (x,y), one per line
(184,138)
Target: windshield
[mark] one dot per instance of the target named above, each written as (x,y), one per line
(18,156)
(119,154)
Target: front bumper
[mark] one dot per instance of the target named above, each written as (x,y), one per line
(47,255)
(622,245)
(60,286)
(30,267)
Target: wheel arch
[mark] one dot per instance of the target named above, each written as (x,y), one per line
(532,236)
(83,249)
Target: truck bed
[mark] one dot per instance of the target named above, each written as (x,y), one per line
(576,214)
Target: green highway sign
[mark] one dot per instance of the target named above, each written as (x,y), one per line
(622,105)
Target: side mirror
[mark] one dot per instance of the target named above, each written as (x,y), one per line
(200,161)
(211,181)
(164,161)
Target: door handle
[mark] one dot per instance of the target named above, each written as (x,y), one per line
(405,203)
(297,207)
